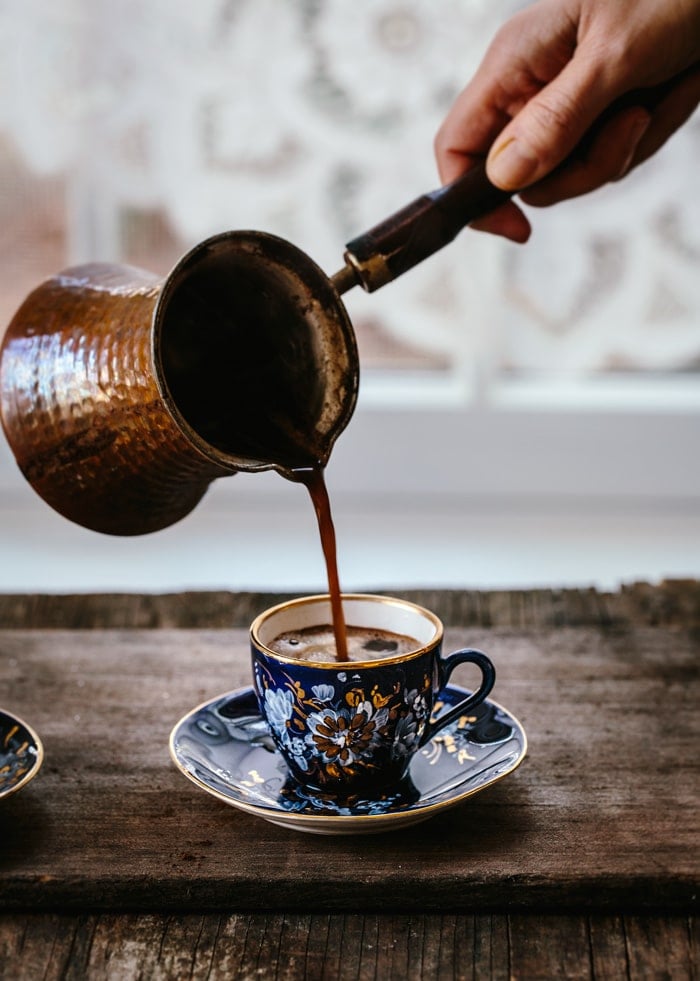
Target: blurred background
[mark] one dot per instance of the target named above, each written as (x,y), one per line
(528,415)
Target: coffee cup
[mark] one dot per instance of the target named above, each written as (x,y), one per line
(353,726)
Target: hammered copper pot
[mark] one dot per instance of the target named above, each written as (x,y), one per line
(124,395)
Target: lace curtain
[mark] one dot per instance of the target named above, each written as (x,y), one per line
(141,127)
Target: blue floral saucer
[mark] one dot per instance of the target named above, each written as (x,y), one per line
(224,747)
(21,753)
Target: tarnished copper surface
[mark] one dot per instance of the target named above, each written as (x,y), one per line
(90,360)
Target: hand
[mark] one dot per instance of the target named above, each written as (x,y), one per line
(549,74)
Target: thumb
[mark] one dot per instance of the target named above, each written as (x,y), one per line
(549,126)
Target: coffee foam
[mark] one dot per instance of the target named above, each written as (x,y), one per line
(317,644)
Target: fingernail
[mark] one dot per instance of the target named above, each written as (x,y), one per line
(511,165)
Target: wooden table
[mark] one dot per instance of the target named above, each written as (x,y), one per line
(581,864)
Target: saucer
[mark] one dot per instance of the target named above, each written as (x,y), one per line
(21,753)
(224,747)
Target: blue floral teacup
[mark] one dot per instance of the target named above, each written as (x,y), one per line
(349,727)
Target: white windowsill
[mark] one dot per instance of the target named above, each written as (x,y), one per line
(504,496)
(239,541)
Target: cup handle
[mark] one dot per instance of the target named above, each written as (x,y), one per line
(446,666)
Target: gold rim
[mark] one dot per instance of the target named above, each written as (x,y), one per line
(362,597)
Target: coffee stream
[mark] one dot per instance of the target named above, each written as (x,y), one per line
(313,479)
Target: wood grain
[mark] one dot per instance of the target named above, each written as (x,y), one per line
(384,947)
(602,814)
(672,603)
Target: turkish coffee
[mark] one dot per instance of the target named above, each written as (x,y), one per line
(318,644)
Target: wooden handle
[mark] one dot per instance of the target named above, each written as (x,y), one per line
(431,221)
(421,228)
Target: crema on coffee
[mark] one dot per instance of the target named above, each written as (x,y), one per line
(317,643)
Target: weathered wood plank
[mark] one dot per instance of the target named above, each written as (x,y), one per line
(120,695)
(608,947)
(292,947)
(673,603)
(602,813)
(549,947)
(658,947)
(36,946)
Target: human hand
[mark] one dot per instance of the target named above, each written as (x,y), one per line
(549,74)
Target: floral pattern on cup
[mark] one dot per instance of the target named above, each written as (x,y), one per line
(335,733)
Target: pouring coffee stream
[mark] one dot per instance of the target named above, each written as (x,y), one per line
(372,260)
(314,480)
